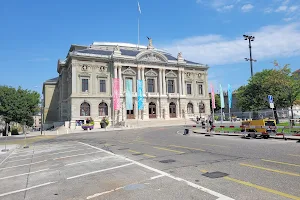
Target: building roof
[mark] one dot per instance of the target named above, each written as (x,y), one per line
(52,80)
(127,52)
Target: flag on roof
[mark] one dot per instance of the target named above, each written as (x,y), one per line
(139,7)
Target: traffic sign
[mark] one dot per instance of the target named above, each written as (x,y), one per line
(271,105)
(270,97)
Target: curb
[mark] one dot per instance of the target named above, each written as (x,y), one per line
(233,134)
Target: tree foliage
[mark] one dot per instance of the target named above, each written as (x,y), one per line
(279,82)
(218,102)
(18,105)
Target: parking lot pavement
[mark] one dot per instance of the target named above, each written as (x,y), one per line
(74,170)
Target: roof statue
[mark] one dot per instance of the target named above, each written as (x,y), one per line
(179,56)
(117,51)
(150,46)
(117,48)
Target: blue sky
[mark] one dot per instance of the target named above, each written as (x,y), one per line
(34,34)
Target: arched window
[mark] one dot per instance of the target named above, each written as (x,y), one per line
(85,109)
(190,108)
(201,107)
(103,109)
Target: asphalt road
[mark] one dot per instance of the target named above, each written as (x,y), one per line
(153,163)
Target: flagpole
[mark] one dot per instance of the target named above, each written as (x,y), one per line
(138,32)
(213,115)
(229,114)
(221,115)
(140,12)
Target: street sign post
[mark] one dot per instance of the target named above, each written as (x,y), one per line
(271,102)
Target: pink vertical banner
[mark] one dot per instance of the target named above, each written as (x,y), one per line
(116,93)
(213,101)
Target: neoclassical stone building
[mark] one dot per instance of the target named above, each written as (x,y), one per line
(173,87)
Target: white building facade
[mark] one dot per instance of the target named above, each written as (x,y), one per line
(173,87)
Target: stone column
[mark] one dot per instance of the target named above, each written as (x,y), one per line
(139,72)
(74,80)
(115,71)
(180,83)
(160,82)
(143,79)
(138,78)
(164,81)
(183,83)
(120,79)
(145,111)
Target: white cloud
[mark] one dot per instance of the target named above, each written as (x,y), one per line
(268,10)
(247,7)
(225,8)
(219,5)
(287,19)
(271,42)
(281,9)
(293,8)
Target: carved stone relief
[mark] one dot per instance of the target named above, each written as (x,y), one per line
(151,57)
(84,67)
(151,72)
(129,71)
(171,74)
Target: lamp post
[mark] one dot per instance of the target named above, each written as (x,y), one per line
(250,39)
(42,115)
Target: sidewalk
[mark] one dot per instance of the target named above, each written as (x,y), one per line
(204,131)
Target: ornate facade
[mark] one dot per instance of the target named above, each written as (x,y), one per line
(173,87)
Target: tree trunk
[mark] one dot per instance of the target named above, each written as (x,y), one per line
(292,115)
(275,115)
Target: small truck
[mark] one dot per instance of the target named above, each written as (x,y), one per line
(261,127)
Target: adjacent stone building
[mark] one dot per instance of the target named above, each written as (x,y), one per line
(173,87)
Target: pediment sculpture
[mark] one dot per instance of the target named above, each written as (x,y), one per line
(171,74)
(151,72)
(129,71)
(151,57)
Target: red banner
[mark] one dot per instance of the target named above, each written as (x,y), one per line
(213,101)
(116,93)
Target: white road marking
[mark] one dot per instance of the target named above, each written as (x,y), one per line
(219,195)
(22,159)
(6,158)
(23,165)
(102,170)
(22,190)
(102,158)
(48,154)
(24,174)
(158,176)
(82,154)
(106,192)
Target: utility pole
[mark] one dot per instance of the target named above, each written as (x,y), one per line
(250,39)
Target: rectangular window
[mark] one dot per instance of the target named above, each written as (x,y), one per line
(85,85)
(171,88)
(102,86)
(201,89)
(150,83)
(189,88)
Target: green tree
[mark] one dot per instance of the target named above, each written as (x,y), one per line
(18,105)
(218,102)
(279,82)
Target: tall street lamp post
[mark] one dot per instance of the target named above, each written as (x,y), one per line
(250,39)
